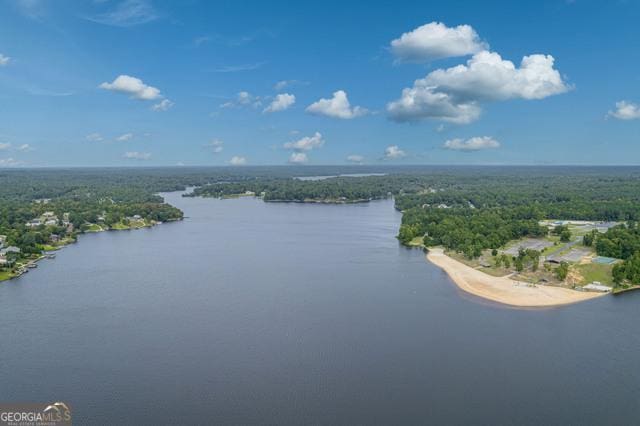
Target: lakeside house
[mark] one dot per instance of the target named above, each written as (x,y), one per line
(33,223)
(10,249)
(47,219)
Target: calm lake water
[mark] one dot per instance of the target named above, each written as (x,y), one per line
(256,313)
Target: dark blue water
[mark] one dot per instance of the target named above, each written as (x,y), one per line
(256,313)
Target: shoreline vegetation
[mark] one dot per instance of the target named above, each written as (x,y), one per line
(553,229)
(48,250)
(505,290)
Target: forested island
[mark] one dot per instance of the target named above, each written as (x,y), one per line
(558,226)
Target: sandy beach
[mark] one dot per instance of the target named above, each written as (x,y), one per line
(502,289)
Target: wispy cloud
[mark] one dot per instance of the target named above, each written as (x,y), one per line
(163,105)
(10,162)
(94,137)
(239,68)
(135,155)
(232,41)
(34,9)
(125,137)
(282,84)
(199,41)
(38,91)
(243,99)
(216,145)
(4,60)
(127,13)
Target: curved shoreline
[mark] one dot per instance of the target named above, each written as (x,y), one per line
(505,290)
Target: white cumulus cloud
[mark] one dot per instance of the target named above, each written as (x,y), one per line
(135,155)
(420,102)
(337,107)
(281,102)
(393,152)
(473,144)
(307,143)
(354,158)
(133,87)
(436,41)
(487,76)
(4,146)
(238,161)
(625,111)
(455,94)
(4,60)
(298,158)
(25,147)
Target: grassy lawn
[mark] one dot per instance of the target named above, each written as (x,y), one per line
(120,226)
(138,224)
(48,247)
(5,275)
(595,272)
(93,228)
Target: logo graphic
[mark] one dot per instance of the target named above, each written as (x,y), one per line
(35,414)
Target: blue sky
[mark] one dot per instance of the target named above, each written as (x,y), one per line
(143,82)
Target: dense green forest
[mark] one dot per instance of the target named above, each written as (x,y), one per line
(622,242)
(465,209)
(104,198)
